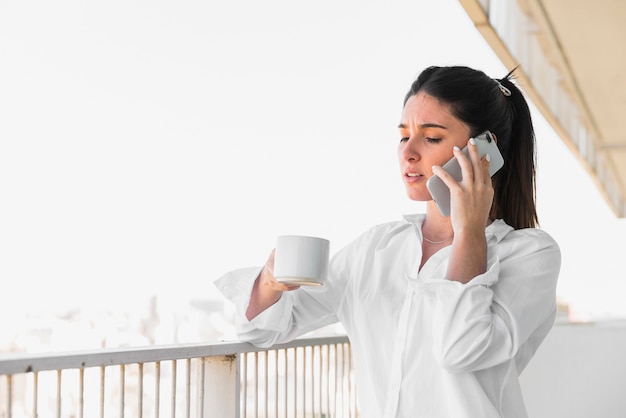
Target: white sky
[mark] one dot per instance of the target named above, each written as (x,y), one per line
(147,147)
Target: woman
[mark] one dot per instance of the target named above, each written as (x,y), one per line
(443,313)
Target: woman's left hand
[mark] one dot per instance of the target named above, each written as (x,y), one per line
(470,198)
(470,204)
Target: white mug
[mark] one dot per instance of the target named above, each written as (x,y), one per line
(301,260)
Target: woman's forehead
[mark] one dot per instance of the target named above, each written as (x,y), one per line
(422,109)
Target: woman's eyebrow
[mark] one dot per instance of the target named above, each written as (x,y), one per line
(424,125)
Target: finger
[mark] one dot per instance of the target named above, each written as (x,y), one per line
(271,281)
(282,287)
(269,264)
(477,163)
(485,168)
(446,177)
(268,280)
(465,163)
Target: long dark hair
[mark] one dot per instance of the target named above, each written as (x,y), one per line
(499,106)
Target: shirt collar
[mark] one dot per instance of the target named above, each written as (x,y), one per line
(498,229)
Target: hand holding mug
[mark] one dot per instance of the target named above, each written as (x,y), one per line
(267,276)
(301,260)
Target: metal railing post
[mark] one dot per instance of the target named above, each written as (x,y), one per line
(221,387)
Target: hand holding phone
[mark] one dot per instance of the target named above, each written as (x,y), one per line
(440,193)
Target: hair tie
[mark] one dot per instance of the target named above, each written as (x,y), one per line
(503,89)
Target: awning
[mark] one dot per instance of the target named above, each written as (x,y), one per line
(572,65)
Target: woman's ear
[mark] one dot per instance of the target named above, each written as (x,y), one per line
(495,138)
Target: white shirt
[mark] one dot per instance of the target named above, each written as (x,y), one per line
(423,346)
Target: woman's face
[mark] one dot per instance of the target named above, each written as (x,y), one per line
(428,131)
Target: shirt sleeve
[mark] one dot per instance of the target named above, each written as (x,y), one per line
(502,314)
(294,314)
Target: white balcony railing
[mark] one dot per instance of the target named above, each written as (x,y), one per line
(309,377)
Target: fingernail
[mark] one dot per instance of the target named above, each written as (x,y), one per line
(456,148)
(472,141)
(488,157)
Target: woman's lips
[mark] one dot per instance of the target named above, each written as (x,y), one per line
(413,177)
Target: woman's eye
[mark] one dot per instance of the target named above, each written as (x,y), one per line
(404,139)
(433,140)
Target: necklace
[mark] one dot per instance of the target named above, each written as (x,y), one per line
(436,242)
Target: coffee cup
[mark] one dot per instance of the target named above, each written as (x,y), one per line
(301,260)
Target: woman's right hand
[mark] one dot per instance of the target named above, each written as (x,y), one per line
(266,290)
(267,276)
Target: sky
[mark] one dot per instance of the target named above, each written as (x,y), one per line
(148,147)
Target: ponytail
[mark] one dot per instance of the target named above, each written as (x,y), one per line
(515,184)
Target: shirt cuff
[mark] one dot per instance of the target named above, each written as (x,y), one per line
(237,285)
(277,317)
(488,278)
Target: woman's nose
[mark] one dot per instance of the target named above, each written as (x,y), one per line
(410,151)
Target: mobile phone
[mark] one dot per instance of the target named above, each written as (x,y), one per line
(439,191)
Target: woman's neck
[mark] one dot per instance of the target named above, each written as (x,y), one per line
(436,227)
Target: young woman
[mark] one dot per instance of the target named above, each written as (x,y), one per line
(443,313)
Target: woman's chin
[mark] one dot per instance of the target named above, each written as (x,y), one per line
(418,197)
